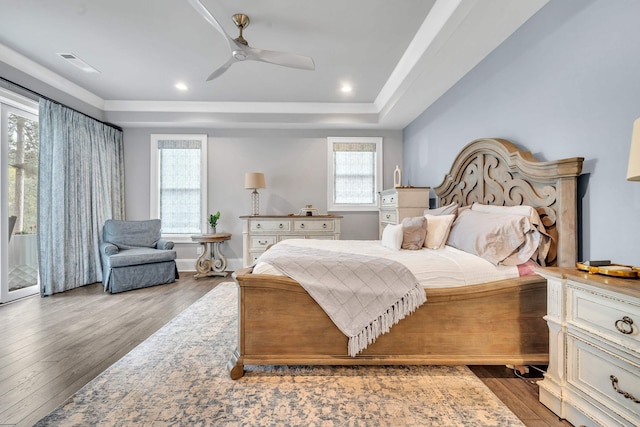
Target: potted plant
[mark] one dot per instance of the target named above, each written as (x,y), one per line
(213,221)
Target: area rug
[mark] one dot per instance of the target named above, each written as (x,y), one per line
(178,376)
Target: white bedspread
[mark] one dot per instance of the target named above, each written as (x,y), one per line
(433,268)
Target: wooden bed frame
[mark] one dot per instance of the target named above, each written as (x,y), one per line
(493,323)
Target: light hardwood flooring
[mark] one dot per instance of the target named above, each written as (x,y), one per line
(51,347)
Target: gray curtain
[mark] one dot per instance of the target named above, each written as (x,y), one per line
(80,185)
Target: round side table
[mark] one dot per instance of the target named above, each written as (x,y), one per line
(212,261)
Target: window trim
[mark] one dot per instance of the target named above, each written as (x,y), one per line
(154,182)
(354,207)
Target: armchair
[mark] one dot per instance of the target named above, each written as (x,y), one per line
(134,256)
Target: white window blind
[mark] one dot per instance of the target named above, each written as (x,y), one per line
(354,173)
(179,184)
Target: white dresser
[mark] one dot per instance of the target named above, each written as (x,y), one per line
(259,232)
(399,203)
(593,378)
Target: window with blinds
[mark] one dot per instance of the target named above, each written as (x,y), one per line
(355,166)
(178,181)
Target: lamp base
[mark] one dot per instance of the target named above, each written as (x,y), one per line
(255,203)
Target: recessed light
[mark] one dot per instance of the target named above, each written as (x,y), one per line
(181,86)
(346,88)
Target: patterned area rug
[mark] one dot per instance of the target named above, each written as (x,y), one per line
(178,376)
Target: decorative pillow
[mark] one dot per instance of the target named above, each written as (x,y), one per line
(451,208)
(491,236)
(392,236)
(414,230)
(438,227)
(537,242)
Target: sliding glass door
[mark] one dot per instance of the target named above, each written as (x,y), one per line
(19,149)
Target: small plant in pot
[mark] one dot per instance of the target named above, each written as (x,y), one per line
(213,221)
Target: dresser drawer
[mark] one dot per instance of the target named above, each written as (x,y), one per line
(253,256)
(305,226)
(389,216)
(610,318)
(270,226)
(262,242)
(390,199)
(605,376)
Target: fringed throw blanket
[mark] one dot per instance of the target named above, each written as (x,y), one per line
(364,296)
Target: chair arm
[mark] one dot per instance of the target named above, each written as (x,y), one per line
(164,244)
(107,248)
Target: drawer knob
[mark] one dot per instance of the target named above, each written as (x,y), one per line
(302,225)
(281,225)
(324,225)
(626,320)
(614,384)
(262,243)
(388,216)
(258,225)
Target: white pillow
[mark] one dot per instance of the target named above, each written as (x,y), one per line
(451,208)
(438,227)
(392,236)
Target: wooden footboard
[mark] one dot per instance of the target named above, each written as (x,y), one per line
(496,323)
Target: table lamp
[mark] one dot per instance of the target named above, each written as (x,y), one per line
(253,181)
(633,171)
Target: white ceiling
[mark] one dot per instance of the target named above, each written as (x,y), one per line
(399,56)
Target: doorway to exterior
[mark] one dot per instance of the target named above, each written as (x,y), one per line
(19,142)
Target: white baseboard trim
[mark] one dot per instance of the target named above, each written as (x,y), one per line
(189,265)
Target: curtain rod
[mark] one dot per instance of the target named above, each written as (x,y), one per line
(33,92)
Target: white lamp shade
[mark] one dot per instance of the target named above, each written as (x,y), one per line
(633,172)
(253,180)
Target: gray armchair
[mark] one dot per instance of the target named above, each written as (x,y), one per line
(134,256)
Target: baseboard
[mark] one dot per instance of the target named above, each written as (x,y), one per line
(189,265)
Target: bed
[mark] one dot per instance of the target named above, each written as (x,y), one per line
(495,323)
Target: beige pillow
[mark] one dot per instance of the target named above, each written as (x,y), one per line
(438,227)
(537,241)
(392,236)
(451,208)
(491,236)
(414,230)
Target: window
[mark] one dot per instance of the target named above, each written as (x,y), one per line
(179,184)
(355,173)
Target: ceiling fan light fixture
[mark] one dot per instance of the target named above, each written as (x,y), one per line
(346,88)
(240,55)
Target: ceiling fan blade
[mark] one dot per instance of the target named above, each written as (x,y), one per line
(221,69)
(204,12)
(281,58)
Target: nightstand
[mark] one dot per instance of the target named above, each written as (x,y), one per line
(593,376)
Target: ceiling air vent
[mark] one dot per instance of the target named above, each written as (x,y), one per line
(73,59)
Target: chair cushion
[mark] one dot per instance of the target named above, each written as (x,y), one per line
(138,256)
(132,234)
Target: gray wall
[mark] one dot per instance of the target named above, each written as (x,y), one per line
(566,84)
(294,163)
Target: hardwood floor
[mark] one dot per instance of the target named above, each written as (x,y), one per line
(51,347)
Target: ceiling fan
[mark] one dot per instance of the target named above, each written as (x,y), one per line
(240,49)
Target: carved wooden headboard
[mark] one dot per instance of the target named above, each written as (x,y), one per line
(496,172)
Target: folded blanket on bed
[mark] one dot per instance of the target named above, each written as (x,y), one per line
(363,295)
